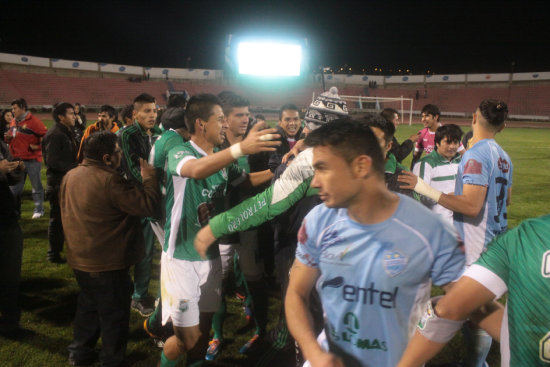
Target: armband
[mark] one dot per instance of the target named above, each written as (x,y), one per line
(426,190)
(236,151)
(437,329)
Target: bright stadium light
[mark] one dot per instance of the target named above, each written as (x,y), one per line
(269,58)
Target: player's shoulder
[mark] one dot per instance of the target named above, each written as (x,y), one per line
(419,219)
(183,149)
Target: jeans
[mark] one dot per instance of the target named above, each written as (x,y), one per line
(103,308)
(32,169)
(11,251)
(142,270)
(56,237)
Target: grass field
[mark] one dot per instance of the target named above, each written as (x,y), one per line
(48,291)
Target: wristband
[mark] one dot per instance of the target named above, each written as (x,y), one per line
(426,190)
(236,151)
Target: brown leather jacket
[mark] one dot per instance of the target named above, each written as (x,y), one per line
(101,212)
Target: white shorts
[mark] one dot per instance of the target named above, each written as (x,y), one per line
(189,288)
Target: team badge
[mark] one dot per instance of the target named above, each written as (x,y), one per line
(183,305)
(473,167)
(394,262)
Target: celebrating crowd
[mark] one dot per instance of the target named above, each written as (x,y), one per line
(322,201)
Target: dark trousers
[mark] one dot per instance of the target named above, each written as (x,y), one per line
(56,237)
(103,308)
(11,250)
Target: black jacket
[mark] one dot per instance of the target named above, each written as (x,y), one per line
(7,201)
(59,149)
(401,151)
(276,156)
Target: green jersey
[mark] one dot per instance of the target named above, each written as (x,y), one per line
(191,203)
(519,262)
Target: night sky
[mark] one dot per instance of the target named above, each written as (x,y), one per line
(441,36)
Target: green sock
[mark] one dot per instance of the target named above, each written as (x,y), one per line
(165,362)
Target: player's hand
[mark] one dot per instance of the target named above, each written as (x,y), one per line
(147,171)
(7,167)
(296,149)
(325,359)
(260,140)
(414,137)
(408,180)
(203,240)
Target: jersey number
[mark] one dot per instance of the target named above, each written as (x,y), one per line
(545,348)
(502,183)
(545,269)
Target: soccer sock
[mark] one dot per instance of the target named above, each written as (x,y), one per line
(165,362)
(218,318)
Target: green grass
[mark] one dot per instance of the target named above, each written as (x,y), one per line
(48,291)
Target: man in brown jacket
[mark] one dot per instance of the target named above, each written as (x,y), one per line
(101,213)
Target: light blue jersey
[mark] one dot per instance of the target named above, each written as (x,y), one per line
(375,279)
(485,164)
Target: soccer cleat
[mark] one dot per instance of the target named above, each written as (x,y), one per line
(247,313)
(249,344)
(214,347)
(144,308)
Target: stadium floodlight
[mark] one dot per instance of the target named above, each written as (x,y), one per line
(270,59)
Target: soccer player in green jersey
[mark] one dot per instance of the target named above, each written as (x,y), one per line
(198,174)
(517,262)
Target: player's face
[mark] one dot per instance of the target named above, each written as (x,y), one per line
(8,116)
(395,119)
(214,128)
(237,120)
(69,118)
(146,115)
(17,111)
(290,122)
(334,178)
(105,120)
(447,149)
(429,121)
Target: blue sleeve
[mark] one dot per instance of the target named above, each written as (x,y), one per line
(307,250)
(476,169)
(449,259)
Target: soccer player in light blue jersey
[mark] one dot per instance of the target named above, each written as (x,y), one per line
(370,253)
(482,193)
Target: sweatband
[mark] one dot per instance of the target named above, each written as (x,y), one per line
(266,137)
(236,151)
(426,190)
(437,329)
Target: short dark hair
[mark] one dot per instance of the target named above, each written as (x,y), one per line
(176,100)
(127,112)
(231,100)
(449,132)
(174,118)
(388,114)
(60,109)
(259,117)
(98,144)
(431,109)
(350,138)
(200,106)
(20,102)
(109,109)
(494,111)
(144,98)
(288,106)
(372,120)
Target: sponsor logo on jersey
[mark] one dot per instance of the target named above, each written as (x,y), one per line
(366,296)
(181,153)
(428,315)
(394,262)
(545,270)
(351,332)
(335,257)
(503,165)
(472,167)
(183,305)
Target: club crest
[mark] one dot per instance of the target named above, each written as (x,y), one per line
(394,262)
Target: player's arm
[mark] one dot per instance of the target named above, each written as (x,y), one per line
(299,321)
(509,197)
(466,296)
(255,142)
(469,203)
(258,178)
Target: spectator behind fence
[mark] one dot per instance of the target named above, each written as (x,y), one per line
(101,214)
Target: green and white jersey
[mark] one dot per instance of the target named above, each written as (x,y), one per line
(518,262)
(276,199)
(191,203)
(439,173)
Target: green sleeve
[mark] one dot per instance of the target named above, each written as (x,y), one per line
(256,210)
(496,257)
